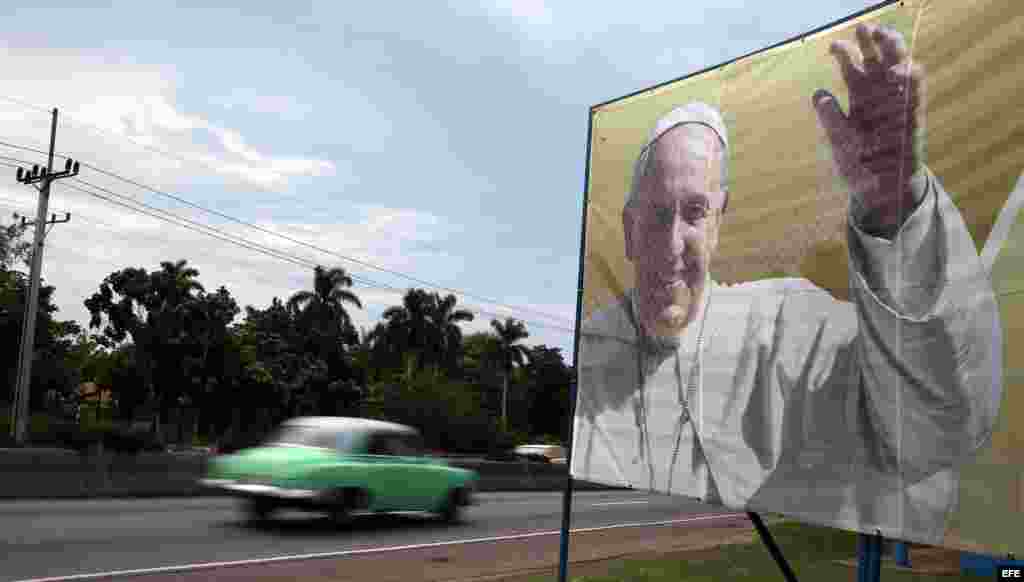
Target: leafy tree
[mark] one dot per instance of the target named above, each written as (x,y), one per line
(207,321)
(270,358)
(118,371)
(152,310)
(57,373)
(276,369)
(446,411)
(14,247)
(548,378)
(51,341)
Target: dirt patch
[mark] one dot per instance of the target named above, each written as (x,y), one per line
(591,552)
(924,560)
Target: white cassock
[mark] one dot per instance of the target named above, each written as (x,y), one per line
(854,414)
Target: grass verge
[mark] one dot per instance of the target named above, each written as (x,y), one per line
(815,553)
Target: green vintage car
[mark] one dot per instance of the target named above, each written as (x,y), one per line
(342,466)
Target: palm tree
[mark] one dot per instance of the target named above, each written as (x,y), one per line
(324,306)
(167,296)
(509,353)
(175,283)
(409,327)
(445,321)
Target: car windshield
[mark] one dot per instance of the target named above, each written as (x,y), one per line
(311,436)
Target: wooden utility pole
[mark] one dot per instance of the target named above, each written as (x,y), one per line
(45,176)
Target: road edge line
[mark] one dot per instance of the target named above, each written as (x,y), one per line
(362,551)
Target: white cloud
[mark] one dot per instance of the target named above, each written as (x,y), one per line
(138,103)
(133,103)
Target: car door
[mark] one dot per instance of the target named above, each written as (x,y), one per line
(425,480)
(388,472)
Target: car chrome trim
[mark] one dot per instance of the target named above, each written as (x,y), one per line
(215,482)
(258,489)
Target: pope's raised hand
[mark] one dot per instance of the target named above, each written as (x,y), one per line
(878,145)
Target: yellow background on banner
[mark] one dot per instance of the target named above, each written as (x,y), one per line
(787,209)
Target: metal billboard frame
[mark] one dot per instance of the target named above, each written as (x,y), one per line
(869,547)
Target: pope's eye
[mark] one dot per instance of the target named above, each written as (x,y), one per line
(663,215)
(695,212)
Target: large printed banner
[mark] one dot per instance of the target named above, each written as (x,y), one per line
(804,280)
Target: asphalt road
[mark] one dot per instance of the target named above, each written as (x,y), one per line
(60,538)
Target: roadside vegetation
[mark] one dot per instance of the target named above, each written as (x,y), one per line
(169,357)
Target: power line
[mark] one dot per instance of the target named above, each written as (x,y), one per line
(177,220)
(366,283)
(218,233)
(184,222)
(76,250)
(123,236)
(189,224)
(293,240)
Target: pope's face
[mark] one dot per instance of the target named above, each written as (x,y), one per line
(672,227)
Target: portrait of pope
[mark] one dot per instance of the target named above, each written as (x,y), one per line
(773,395)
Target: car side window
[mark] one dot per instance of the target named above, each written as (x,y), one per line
(413,445)
(383,444)
(344,442)
(396,444)
(325,440)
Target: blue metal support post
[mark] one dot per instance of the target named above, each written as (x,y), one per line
(563,551)
(902,554)
(869,558)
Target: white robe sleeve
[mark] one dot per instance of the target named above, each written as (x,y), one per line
(929,342)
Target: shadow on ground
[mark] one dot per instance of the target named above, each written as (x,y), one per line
(300,524)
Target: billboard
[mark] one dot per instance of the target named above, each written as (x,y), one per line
(803,280)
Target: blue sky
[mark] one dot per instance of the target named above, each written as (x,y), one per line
(442,141)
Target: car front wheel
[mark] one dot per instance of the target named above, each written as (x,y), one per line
(342,502)
(452,509)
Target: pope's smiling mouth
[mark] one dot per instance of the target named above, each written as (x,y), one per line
(672,284)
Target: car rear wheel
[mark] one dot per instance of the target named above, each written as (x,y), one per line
(344,501)
(258,509)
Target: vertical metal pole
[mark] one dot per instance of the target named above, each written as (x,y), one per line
(28,330)
(876,559)
(563,551)
(773,549)
(902,554)
(869,558)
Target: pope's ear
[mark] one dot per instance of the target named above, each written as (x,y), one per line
(718,219)
(627,230)
(715,232)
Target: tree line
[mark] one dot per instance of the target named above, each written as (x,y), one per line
(166,347)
